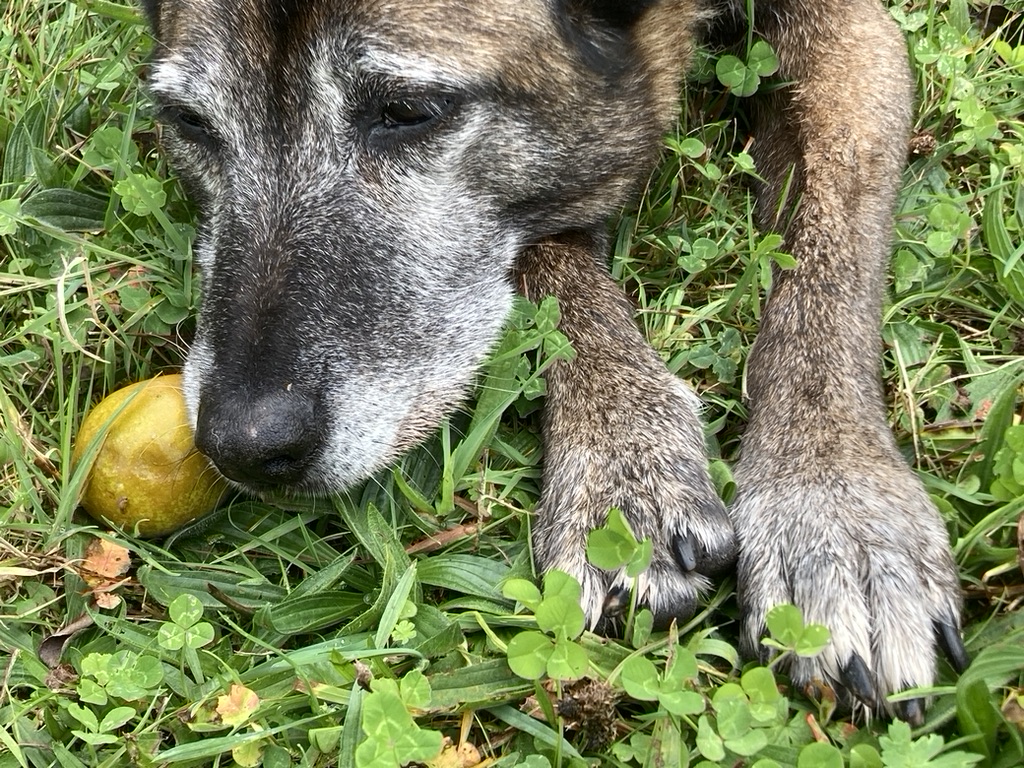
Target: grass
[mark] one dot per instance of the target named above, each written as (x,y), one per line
(247,642)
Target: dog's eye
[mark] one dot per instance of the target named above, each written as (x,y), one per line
(190,124)
(408,112)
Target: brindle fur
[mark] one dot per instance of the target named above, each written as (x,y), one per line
(356,271)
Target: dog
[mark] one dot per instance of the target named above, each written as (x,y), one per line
(377,180)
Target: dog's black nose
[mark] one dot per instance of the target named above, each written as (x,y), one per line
(265,442)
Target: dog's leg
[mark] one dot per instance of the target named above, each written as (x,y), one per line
(620,431)
(829,516)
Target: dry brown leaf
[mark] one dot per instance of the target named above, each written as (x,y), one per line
(61,677)
(105,562)
(106,600)
(52,647)
(469,755)
(463,756)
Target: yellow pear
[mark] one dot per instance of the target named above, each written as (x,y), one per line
(147,474)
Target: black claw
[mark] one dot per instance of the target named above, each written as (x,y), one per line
(685,554)
(910,711)
(615,602)
(952,645)
(857,678)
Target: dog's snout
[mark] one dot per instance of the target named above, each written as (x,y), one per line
(266,442)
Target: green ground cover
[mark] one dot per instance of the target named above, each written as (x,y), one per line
(252,640)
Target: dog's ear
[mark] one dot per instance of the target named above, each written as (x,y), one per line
(151,9)
(600,30)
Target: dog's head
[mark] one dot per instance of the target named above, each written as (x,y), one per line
(368,172)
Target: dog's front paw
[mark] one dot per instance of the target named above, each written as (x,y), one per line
(864,552)
(648,461)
